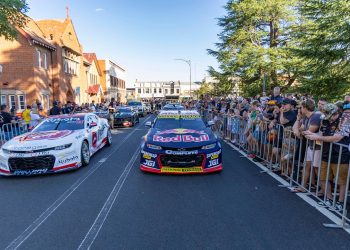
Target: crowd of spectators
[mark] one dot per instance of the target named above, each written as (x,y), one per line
(290,128)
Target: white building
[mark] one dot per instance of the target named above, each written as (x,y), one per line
(169,90)
(113,80)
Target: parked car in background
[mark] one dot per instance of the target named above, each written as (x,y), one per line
(138,106)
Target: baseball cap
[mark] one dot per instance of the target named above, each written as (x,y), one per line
(272,102)
(329,109)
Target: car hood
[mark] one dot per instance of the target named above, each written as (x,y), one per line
(183,138)
(42,140)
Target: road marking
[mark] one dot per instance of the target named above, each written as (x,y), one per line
(305,197)
(102,216)
(46,214)
(102,160)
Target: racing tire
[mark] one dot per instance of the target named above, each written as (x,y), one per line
(109,138)
(85,154)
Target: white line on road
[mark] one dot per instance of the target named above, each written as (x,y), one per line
(304,196)
(43,217)
(102,160)
(101,218)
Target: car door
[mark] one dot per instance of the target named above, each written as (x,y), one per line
(92,125)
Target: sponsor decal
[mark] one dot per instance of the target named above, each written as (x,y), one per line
(181,170)
(177,116)
(65,119)
(30,171)
(148,155)
(27,148)
(181,131)
(213,163)
(214,155)
(49,135)
(94,139)
(30,154)
(181,138)
(171,152)
(68,160)
(79,136)
(149,163)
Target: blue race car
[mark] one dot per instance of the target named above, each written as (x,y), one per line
(179,142)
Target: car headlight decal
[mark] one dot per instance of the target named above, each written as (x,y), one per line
(155,147)
(209,146)
(63,146)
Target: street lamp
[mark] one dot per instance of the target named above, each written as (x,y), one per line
(189,64)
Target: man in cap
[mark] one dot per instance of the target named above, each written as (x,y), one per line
(335,129)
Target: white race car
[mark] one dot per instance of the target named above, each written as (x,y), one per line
(58,143)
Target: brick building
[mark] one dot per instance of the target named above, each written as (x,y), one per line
(68,71)
(27,72)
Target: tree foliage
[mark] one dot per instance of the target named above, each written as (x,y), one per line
(302,45)
(323,37)
(12,15)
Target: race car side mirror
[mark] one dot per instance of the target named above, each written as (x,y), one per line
(148,124)
(210,123)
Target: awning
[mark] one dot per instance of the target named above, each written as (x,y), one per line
(94,89)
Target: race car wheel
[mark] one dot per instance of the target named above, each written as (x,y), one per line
(85,154)
(109,138)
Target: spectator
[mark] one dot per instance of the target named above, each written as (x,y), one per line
(310,124)
(331,134)
(277,95)
(6,118)
(55,110)
(26,115)
(34,116)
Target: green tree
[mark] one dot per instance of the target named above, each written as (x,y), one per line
(12,15)
(324,45)
(256,41)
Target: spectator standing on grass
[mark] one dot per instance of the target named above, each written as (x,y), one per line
(331,134)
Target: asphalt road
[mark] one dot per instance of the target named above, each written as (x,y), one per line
(112,205)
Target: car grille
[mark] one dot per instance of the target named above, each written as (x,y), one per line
(181,161)
(26,163)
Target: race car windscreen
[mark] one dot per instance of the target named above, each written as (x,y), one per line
(134,103)
(69,123)
(187,122)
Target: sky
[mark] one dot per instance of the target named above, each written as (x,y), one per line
(143,36)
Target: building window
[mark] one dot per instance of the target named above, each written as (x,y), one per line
(21,102)
(45,60)
(166,91)
(45,101)
(12,101)
(139,90)
(39,58)
(155,90)
(147,90)
(3,100)
(160,90)
(177,91)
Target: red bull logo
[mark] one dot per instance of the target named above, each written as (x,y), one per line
(181,138)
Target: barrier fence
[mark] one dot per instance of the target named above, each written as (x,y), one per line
(10,130)
(321,170)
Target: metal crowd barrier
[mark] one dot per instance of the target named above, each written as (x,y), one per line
(298,161)
(11,130)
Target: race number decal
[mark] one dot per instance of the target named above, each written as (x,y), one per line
(94,139)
